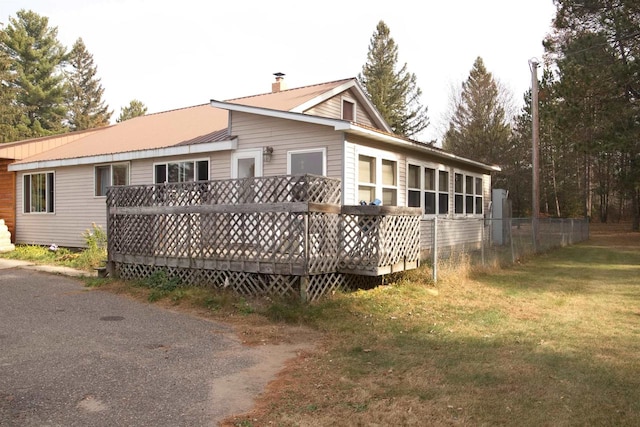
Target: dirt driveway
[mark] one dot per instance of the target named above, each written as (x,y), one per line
(71,356)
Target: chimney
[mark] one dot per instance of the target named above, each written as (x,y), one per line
(279,84)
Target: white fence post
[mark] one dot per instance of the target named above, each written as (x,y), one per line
(434,251)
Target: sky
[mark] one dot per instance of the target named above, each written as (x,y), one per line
(175,54)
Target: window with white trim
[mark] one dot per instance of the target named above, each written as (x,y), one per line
(366,178)
(38,192)
(389,182)
(428,188)
(183,171)
(108,175)
(311,161)
(468,196)
(377,179)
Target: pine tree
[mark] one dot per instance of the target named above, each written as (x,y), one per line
(86,107)
(134,109)
(477,128)
(394,93)
(10,111)
(36,58)
(595,47)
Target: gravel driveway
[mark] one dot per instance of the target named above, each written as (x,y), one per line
(71,356)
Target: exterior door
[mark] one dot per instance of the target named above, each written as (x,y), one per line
(246,164)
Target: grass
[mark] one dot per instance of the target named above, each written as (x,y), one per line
(554,340)
(81,259)
(94,255)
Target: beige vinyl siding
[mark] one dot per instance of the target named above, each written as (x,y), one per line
(453,233)
(75,209)
(349,182)
(332,108)
(285,135)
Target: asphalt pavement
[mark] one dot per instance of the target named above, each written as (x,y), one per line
(74,356)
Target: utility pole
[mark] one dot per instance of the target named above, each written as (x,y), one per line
(535,162)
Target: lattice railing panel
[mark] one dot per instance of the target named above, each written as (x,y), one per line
(377,238)
(324,239)
(361,241)
(272,189)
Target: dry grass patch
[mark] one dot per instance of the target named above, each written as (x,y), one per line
(553,341)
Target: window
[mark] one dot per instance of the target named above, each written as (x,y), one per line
(366,178)
(468,191)
(307,161)
(443,192)
(377,179)
(428,187)
(107,175)
(38,192)
(186,171)
(348,110)
(468,194)
(389,183)
(479,198)
(458,185)
(413,186)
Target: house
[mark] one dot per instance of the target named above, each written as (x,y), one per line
(329,129)
(16,151)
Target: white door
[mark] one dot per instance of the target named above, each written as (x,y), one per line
(246,164)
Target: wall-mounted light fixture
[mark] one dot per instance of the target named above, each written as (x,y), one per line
(267,153)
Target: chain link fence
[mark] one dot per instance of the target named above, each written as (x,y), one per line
(497,242)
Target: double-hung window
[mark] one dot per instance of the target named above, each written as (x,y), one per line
(182,171)
(428,188)
(38,192)
(377,179)
(468,194)
(108,175)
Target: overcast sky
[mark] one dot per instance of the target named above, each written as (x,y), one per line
(174,54)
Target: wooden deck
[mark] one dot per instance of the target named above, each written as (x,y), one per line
(274,226)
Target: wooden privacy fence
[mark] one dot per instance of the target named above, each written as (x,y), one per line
(269,235)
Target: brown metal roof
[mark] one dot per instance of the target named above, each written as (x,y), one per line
(185,126)
(160,130)
(29,147)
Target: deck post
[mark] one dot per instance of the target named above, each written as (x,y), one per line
(304,285)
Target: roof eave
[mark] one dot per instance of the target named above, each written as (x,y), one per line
(205,147)
(400,142)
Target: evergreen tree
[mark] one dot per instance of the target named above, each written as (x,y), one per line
(10,111)
(36,58)
(394,93)
(134,109)
(478,128)
(595,47)
(86,107)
